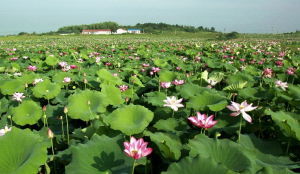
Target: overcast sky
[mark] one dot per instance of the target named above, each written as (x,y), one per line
(245,16)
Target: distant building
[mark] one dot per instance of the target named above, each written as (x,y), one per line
(97,31)
(134,31)
(121,31)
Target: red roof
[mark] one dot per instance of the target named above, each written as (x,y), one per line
(96,30)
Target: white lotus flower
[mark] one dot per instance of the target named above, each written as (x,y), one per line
(36,81)
(18,96)
(173,103)
(282,85)
(241,109)
(4,130)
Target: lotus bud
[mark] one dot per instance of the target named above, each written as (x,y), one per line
(85,80)
(60,117)
(89,102)
(74,87)
(26,85)
(44,108)
(218,134)
(9,116)
(65,110)
(50,134)
(84,74)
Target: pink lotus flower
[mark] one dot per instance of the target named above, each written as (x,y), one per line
(291,71)
(136,148)
(14,58)
(178,82)
(279,63)
(18,96)
(63,64)
(145,65)
(165,84)
(281,54)
(31,68)
(123,88)
(268,72)
(67,80)
(73,66)
(155,69)
(241,109)
(202,121)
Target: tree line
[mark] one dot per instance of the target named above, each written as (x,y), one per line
(146,27)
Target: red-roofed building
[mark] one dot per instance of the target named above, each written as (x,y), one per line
(96,31)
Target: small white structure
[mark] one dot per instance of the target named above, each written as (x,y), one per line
(97,31)
(134,31)
(121,31)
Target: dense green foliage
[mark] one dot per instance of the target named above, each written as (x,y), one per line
(94,93)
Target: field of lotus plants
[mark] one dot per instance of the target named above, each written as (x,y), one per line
(109,106)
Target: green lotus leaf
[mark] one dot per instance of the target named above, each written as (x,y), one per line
(189,90)
(274,170)
(28,112)
(86,105)
(155,98)
(28,78)
(51,60)
(112,94)
(288,122)
(21,152)
(131,119)
(197,165)
(166,76)
(46,90)
(106,77)
(160,63)
(9,87)
(235,86)
(3,105)
(224,152)
(213,63)
(213,102)
(168,144)
(294,91)
(169,124)
(240,78)
(100,155)
(136,81)
(265,154)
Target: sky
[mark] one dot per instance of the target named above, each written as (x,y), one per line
(244,16)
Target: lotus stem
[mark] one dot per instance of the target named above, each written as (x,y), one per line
(52,148)
(173,113)
(132,94)
(132,172)
(288,147)
(293,80)
(62,127)
(68,136)
(241,121)
(158,85)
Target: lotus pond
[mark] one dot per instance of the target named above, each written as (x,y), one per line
(79,105)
